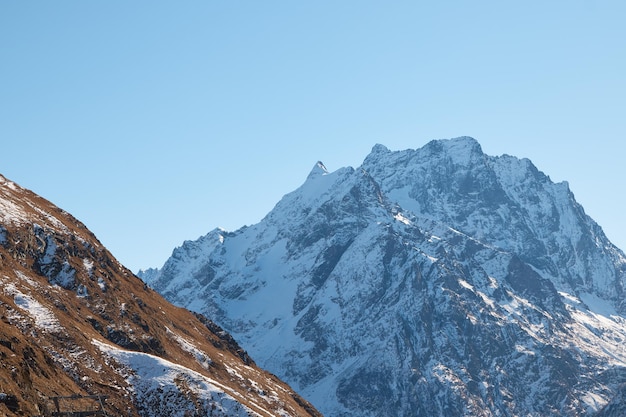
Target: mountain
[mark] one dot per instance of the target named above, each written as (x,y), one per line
(79,331)
(438,281)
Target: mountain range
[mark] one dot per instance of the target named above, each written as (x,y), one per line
(437,281)
(79,332)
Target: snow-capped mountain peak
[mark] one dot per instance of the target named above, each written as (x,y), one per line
(428,282)
(318,169)
(379,148)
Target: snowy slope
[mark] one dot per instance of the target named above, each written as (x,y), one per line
(437,281)
(508,203)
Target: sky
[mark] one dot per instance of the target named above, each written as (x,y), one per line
(153,122)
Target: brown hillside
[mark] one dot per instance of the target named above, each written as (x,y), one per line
(63,295)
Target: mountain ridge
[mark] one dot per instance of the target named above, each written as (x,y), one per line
(434,281)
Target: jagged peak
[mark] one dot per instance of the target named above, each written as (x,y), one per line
(465,139)
(463,151)
(462,146)
(379,148)
(318,169)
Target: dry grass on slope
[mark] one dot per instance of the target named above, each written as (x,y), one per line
(61,290)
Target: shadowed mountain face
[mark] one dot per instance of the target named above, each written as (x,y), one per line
(432,282)
(75,322)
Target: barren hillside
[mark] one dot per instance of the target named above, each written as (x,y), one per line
(74,321)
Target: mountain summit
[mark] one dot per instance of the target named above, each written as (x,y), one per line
(78,331)
(437,281)
(318,169)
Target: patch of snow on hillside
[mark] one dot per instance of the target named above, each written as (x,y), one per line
(53,221)
(43,317)
(163,388)
(466,284)
(431,258)
(602,337)
(26,279)
(399,217)
(594,402)
(88,264)
(11,213)
(598,305)
(189,347)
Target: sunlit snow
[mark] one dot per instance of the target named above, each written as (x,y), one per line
(157,381)
(43,317)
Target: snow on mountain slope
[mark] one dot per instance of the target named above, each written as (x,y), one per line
(432,282)
(75,322)
(508,203)
(159,383)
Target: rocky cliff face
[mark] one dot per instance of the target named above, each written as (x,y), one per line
(76,323)
(432,282)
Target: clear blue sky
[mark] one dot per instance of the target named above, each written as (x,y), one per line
(154,122)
